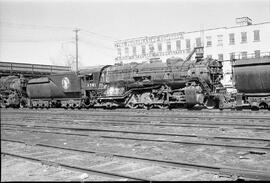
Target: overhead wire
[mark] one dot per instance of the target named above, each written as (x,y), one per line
(32,40)
(96,43)
(98,34)
(35,27)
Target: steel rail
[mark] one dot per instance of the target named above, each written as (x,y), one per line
(173,123)
(142,110)
(138,132)
(179,115)
(247,173)
(185,124)
(150,140)
(73,167)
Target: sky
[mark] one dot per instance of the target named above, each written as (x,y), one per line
(42,31)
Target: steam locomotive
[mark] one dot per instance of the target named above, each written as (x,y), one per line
(156,84)
(13,91)
(134,85)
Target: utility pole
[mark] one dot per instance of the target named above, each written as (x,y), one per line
(77,49)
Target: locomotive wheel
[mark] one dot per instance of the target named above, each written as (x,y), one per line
(148,106)
(132,102)
(239,108)
(132,105)
(87,106)
(162,106)
(189,106)
(210,103)
(255,108)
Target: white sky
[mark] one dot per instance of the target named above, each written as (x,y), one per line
(41,31)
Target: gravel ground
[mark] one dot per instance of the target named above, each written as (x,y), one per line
(14,169)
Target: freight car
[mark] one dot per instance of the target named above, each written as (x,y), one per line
(252,81)
(155,84)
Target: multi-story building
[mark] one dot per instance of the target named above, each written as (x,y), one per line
(224,43)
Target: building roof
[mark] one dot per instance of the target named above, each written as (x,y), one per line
(144,37)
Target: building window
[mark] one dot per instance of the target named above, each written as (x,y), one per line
(187,43)
(208,41)
(198,42)
(169,47)
(220,57)
(151,48)
(220,40)
(231,38)
(232,56)
(256,35)
(134,50)
(243,37)
(178,45)
(119,52)
(257,53)
(143,50)
(126,51)
(244,55)
(160,47)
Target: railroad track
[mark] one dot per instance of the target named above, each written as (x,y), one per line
(152,114)
(69,166)
(193,124)
(154,121)
(135,132)
(41,123)
(243,173)
(265,147)
(162,122)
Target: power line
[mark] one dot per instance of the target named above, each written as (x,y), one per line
(96,44)
(98,34)
(32,41)
(35,26)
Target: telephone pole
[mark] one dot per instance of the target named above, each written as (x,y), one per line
(77,49)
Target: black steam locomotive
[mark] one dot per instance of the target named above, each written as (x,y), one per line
(144,85)
(13,91)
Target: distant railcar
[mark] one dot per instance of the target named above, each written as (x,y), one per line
(252,80)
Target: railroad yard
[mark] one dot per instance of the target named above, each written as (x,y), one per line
(143,145)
